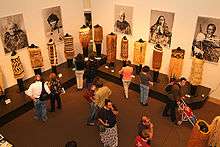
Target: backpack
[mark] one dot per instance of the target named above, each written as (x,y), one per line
(44,95)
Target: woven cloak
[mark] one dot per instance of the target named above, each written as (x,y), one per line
(17,67)
(52,53)
(176,63)
(84,36)
(196,71)
(124,48)
(157,58)
(139,52)
(69,51)
(98,34)
(111,45)
(36,57)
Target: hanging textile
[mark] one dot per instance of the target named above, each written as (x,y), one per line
(196,71)
(17,67)
(36,57)
(139,52)
(124,48)
(52,53)
(157,57)
(176,63)
(98,34)
(84,36)
(111,45)
(69,51)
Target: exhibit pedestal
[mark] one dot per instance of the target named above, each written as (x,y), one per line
(21,85)
(138,69)
(155,76)
(69,63)
(98,50)
(54,69)
(85,52)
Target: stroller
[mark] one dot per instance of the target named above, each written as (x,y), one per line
(185,113)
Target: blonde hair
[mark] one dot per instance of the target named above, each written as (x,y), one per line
(214,137)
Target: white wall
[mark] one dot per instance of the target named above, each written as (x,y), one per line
(186,13)
(72,16)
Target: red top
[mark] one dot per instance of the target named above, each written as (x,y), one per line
(139,142)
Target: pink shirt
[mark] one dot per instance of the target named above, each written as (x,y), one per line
(126,72)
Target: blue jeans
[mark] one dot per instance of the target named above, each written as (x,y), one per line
(144,93)
(40,109)
(93,113)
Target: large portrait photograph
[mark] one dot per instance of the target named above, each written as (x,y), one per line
(13,33)
(206,43)
(53,24)
(161,24)
(123,19)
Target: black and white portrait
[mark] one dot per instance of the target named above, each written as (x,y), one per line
(206,43)
(53,24)
(123,19)
(13,33)
(161,28)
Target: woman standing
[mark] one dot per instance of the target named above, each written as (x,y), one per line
(56,89)
(80,65)
(107,119)
(145,83)
(127,73)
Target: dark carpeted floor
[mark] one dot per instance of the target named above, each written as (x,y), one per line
(70,123)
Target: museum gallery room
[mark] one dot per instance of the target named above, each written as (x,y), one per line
(109,73)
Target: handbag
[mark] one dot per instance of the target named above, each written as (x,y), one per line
(44,95)
(101,127)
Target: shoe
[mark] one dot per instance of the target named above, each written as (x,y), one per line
(35,117)
(165,115)
(90,124)
(145,104)
(44,119)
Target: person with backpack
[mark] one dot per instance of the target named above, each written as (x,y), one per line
(175,92)
(38,92)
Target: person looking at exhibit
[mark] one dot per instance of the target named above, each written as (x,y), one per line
(91,67)
(107,121)
(80,65)
(175,93)
(56,89)
(35,93)
(127,74)
(146,81)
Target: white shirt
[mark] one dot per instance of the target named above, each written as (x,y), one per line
(35,89)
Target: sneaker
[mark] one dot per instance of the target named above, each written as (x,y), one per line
(90,124)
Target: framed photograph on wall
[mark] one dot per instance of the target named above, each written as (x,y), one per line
(53,24)
(161,24)
(123,19)
(206,43)
(13,33)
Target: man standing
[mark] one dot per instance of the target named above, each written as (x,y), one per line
(34,92)
(175,93)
